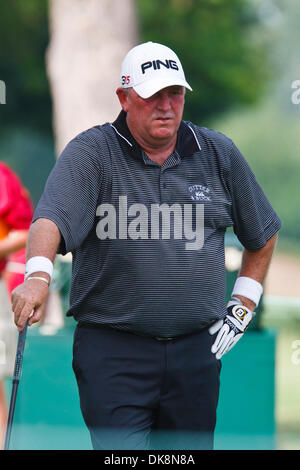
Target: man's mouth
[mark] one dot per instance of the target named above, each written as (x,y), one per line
(163,119)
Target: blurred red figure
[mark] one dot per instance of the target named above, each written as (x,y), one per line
(16,212)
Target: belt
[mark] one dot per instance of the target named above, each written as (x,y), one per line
(101,326)
(160,338)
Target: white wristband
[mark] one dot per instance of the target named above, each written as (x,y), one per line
(37,264)
(248,287)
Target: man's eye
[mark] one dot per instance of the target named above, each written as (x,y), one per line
(177,91)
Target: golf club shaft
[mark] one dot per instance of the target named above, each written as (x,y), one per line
(15,383)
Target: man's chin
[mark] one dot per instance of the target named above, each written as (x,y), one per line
(164,132)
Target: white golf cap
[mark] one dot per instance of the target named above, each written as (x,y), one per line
(149,67)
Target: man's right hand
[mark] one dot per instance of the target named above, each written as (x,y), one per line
(28,300)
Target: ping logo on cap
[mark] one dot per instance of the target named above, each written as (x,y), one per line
(169,64)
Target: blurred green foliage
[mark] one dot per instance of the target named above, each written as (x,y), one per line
(268,136)
(26,141)
(23,40)
(31,155)
(268,132)
(220,46)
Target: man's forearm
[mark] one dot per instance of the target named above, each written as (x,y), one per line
(255,265)
(29,298)
(43,240)
(231,329)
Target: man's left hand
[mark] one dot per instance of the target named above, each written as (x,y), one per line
(231,328)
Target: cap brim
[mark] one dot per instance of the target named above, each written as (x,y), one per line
(149,88)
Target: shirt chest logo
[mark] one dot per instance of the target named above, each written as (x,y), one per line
(199,192)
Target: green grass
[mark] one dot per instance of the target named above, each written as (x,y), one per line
(287,323)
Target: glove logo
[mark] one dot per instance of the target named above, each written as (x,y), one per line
(240,312)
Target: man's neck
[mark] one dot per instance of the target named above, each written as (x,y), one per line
(159,155)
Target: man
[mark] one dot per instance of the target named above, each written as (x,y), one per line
(16,212)
(143,205)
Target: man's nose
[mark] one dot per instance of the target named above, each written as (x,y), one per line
(163,100)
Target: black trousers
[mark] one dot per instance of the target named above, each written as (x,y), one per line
(143,393)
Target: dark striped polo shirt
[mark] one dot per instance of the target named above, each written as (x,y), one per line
(148,240)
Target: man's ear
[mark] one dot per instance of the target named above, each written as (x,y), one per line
(123,98)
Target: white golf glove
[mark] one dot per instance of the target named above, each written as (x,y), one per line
(231,328)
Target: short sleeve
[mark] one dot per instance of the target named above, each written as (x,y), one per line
(254,219)
(72,191)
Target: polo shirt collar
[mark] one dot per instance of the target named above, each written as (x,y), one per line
(187,142)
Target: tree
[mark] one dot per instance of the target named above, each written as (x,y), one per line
(89,39)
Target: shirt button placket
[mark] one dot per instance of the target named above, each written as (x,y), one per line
(163,186)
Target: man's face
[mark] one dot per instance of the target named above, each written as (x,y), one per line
(154,121)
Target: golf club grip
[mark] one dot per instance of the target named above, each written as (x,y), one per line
(19,354)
